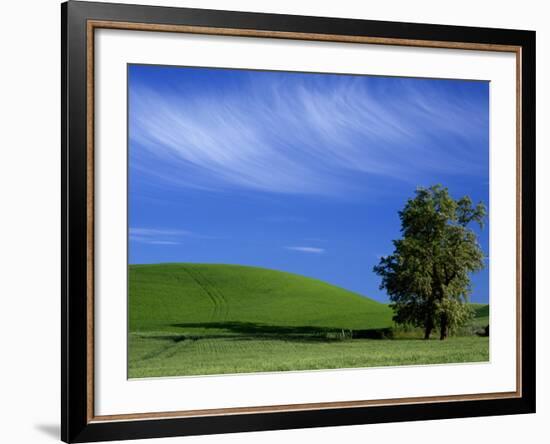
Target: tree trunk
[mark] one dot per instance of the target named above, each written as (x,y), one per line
(428,330)
(444,328)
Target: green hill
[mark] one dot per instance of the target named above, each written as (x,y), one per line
(200,319)
(169,297)
(481,313)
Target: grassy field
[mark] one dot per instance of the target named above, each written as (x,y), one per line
(199,319)
(481,314)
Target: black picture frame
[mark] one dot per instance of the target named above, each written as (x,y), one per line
(76,423)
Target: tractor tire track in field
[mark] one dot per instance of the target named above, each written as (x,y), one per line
(166,349)
(222,300)
(219,301)
(211,297)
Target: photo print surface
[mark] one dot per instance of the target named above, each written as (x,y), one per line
(290,221)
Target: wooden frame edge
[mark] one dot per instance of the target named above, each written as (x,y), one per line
(337,38)
(519,219)
(301,407)
(90,224)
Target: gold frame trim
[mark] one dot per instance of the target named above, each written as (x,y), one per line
(92,25)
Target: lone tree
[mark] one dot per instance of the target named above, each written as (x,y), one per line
(427,276)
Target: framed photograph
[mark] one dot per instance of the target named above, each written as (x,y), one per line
(275,221)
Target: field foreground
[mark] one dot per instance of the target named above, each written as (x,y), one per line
(195,319)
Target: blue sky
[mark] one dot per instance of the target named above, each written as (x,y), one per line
(298,172)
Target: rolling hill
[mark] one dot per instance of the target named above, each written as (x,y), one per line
(172,296)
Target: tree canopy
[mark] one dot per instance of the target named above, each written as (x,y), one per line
(428,275)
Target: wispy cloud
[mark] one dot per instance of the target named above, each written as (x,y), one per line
(314,250)
(157,236)
(152,232)
(303,134)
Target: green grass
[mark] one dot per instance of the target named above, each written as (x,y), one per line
(172,355)
(481,314)
(198,319)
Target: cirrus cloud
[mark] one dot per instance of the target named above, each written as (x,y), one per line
(295,133)
(313,250)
